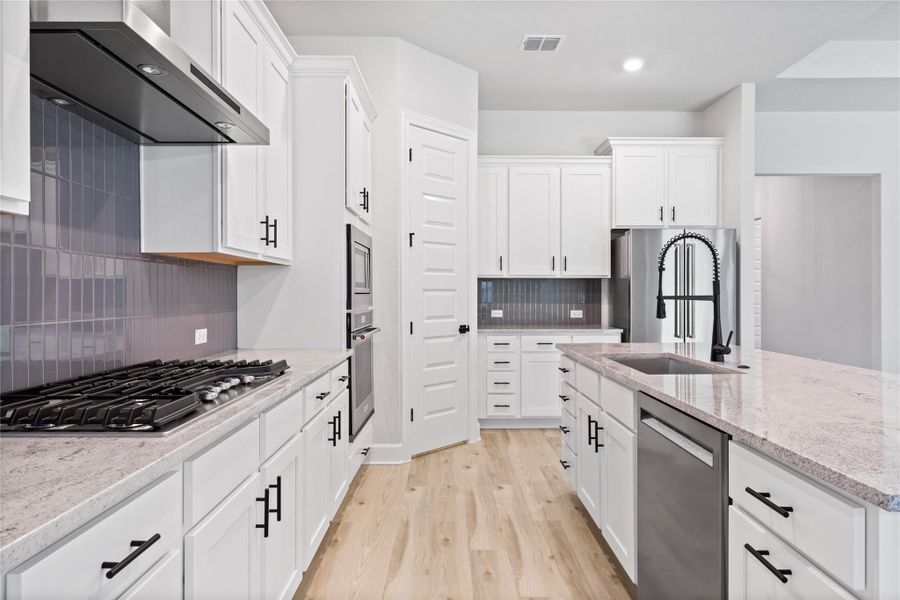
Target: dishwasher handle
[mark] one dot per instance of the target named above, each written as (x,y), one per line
(680,440)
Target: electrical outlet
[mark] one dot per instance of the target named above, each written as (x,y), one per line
(497,314)
(199,336)
(576,314)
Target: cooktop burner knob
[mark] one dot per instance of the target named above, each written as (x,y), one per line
(208,395)
(233,381)
(245,379)
(224,384)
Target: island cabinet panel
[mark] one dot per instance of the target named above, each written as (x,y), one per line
(74,567)
(336,448)
(282,543)
(589,464)
(315,484)
(619,492)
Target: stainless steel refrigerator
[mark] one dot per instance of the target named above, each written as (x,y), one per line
(689,270)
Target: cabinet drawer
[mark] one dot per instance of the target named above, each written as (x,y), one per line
(502,405)
(587,382)
(502,343)
(211,475)
(567,368)
(749,577)
(827,527)
(340,378)
(359,449)
(317,395)
(618,401)
(567,461)
(502,361)
(163,580)
(567,397)
(603,338)
(71,568)
(569,430)
(279,423)
(543,343)
(502,383)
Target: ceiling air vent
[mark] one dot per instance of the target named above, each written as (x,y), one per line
(542,43)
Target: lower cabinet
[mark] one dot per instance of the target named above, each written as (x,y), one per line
(619,467)
(282,544)
(221,554)
(540,384)
(315,484)
(589,463)
(336,447)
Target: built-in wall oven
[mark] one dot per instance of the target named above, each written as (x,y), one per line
(360,328)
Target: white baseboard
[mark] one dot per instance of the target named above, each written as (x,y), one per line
(387,454)
(521,423)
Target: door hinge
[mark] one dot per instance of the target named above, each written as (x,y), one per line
(410,328)
(410,155)
(412,414)
(410,239)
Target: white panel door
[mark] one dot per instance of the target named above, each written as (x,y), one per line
(437,291)
(590,440)
(493,217)
(355,174)
(639,186)
(276,156)
(221,554)
(534,221)
(336,453)
(618,470)
(584,210)
(314,509)
(540,384)
(243,54)
(693,186)
(281,559)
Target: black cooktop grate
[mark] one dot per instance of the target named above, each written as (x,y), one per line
(142,397)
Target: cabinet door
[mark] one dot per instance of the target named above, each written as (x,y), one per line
(281,561)
(588,457)
(336,430)
(276,186)
(355,174)
(364,131)
(693,186)
(243,54)
(315,483)
(221,554)
(585,221)
(15,176)
(540,384)
(639,186)
(618,485)
(534,221)
(493,217)
(163,580)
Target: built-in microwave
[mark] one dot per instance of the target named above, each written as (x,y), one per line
(359,278)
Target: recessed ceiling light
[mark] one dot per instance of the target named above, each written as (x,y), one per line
(633,64)
(60,101)
(224,125)
(152,69)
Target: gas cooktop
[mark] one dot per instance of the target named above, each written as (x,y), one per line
(155,397)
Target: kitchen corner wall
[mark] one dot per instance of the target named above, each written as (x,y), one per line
(541,303)
(77,296)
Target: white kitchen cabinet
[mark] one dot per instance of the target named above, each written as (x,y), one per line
(15,105)
(534,220)
(584,220)
(589,464)
(619,466)
(276,159)
(336,453)
(221,554)
(163,580)
(358,156)
(540,384)
(665,182)
(315,484)
(281,561)
(493,221)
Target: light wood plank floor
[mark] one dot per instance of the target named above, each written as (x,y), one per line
(494,519)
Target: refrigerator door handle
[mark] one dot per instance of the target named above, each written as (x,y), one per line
(678,291)
(689,270)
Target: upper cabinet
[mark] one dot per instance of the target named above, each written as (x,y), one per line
(665,182)
(229,204)
(358,135)
(543,217)
(15,176)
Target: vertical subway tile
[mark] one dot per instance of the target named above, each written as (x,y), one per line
(37,133)
(64,214)
(35,285)
(6,287)
(64,151)
(51,219)
(20,356)
(88,346)
(87,153)
(51,284)
(35,354)
(99,287)
(64,351)
(75,348)
(87,287)
(76,149)
(51,349)
(99,155)
(20,287)
(35,218)
(6,370)
(109,161)
(50,138)
(109,288)
(64,286)
(6,228)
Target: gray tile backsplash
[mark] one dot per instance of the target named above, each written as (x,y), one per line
(541,303)
(76,294)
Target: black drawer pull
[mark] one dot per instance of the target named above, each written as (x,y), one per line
(501,362)
(784,511)
(565,464)
(364,451)
(563,398)
(343,378)
(759,555)
(140,546)
(545,343)
(322,396)
(564,429)
(501,383)
(500,343)
(563,369)
(501,406)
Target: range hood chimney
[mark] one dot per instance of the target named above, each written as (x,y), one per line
(116,66)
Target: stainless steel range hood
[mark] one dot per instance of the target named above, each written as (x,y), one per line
(118,67)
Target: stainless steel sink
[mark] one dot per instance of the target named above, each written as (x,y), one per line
(667,365)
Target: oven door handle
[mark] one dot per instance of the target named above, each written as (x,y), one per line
(356,335)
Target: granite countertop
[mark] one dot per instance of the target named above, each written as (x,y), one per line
(838,423)
(547,330)
(50,486)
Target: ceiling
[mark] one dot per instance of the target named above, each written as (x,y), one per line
(695,51)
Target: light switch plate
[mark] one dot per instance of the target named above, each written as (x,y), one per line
(199,336)
(576,314)
(497,314)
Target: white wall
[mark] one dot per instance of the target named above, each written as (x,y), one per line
(399,76)
(846,143)
(556,133)
(732,117)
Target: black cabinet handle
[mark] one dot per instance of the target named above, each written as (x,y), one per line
(660,213)
(362,204)
(333,438)
(501,383)
(364,451)
(343,378)
(545,343)
(501,362)
(563,369)
(594,433)
(323,395)
(501,406)
(265,224)
(565,464)
(565,263)
(759,555)
(673,214)
(367,200)
(563,398)
(784,511)
(277,487)
(274,233)
(501,263)
(266,510)
(553,263)
(501,343)
(340,425)
(564,429)
(140,546)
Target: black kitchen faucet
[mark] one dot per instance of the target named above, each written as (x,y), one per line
(717,350)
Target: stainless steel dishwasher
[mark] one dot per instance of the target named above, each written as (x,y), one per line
(682,495)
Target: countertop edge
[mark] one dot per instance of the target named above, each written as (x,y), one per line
(808,466)
(46,535)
